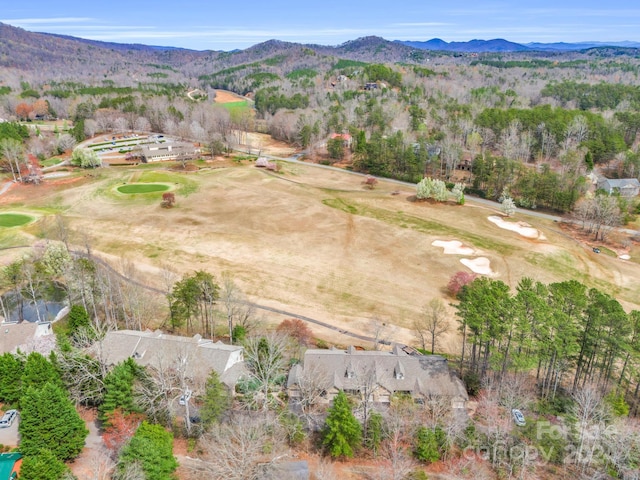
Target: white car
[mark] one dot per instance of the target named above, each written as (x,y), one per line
(518,417)
(185,397)
(7,419)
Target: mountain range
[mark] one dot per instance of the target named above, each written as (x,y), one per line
(55,56)
(501,45)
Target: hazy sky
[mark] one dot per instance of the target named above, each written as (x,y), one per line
(216,25)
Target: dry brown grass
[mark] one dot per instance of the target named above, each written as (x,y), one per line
(315,242)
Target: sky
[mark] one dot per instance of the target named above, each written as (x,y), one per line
(216,25)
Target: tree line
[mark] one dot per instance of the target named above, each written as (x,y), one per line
(566,333)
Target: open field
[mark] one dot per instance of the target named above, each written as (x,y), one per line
(225,96)
(311,241)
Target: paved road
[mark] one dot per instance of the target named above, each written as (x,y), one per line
(469,199)
(481,201)
(6,186)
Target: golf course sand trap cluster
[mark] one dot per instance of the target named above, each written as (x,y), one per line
(522,228)
(480,265)
(453,247)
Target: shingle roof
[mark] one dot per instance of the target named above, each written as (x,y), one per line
(394,371)
(161,350)
(623,182)
(26,336)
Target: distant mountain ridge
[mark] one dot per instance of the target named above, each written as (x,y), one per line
(501,45)
(54,57)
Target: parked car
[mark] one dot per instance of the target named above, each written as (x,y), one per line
(184,398)
(518,417)
(596,250)
(7,419)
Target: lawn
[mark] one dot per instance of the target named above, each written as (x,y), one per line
(143,188)
(14,219)
(236,106)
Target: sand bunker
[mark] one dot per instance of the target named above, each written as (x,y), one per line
(522,228)
(453,247)
(480,265)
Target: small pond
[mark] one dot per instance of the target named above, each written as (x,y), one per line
(17,306)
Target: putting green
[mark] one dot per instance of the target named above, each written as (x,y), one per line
(142,188)
(14,219)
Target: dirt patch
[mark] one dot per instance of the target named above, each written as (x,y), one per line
(93,456)
(188,167)
(20,192)
(225,96)
(263,144)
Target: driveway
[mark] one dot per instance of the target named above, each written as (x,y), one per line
(9,436)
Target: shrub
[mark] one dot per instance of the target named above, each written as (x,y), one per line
(168,200)
(472,383)
(459,280)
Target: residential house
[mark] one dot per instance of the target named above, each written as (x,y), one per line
(295,470)
(381,373)
(10,465)
(346,138)
(161,351)
(626,187)
(27,337)
(162,152)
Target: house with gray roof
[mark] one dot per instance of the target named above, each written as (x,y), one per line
(27,337)
(626,187)
(159,350)
(381,373)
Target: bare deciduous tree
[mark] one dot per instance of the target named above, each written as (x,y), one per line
(432,324)
(235,450)
(266,358)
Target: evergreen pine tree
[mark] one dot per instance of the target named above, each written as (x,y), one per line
(118,386)
(38,371)
(11,369)
(426,445)
(216,400)
(152,446)
(375,432)
(50,421)
(77,319)
(342,433)
(43,466)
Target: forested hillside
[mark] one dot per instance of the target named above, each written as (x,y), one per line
(530,129)
(514,120)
